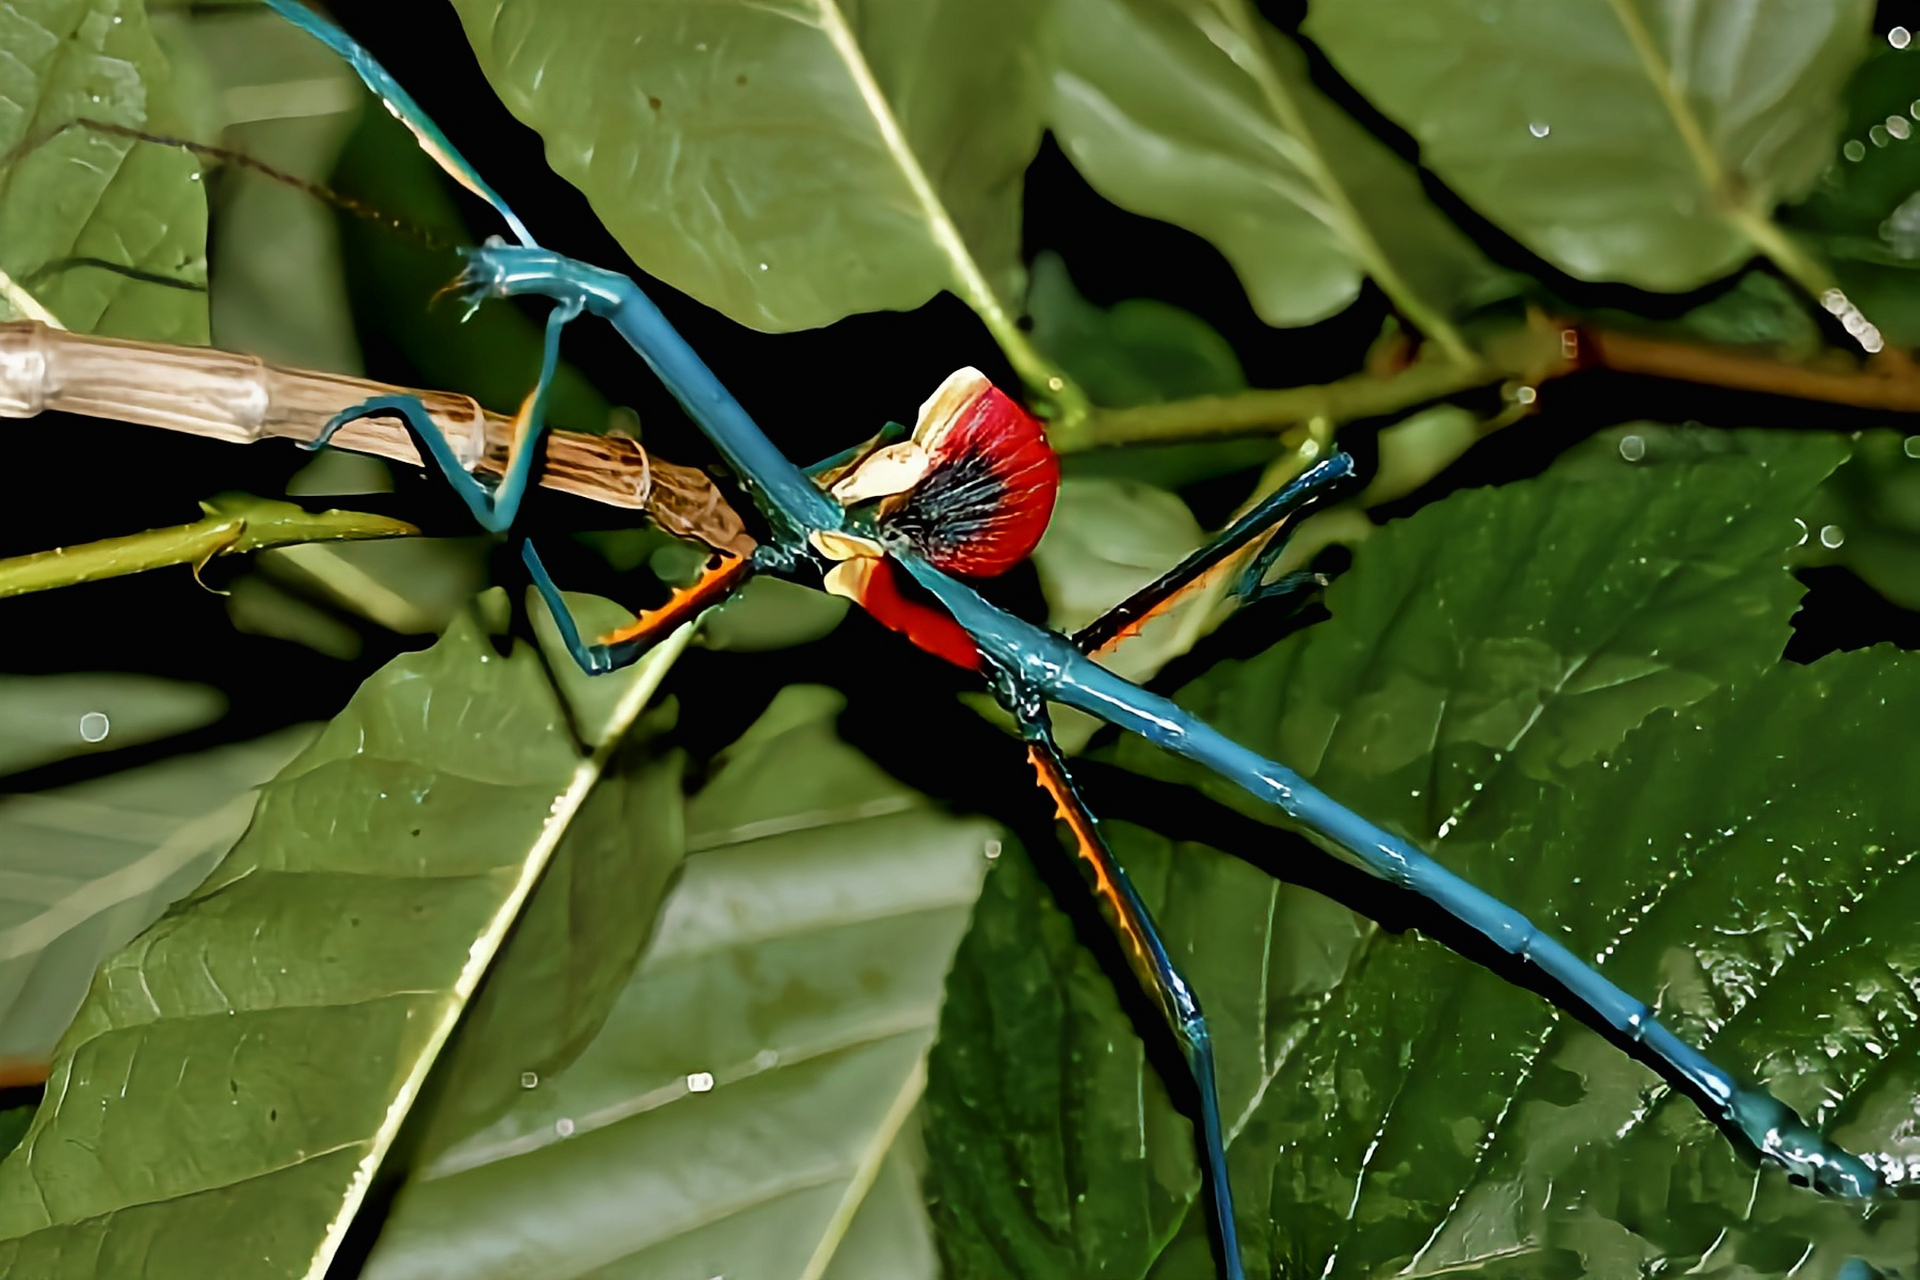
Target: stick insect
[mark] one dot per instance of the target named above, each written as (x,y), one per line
(899,524)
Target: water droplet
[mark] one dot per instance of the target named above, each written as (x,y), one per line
(1912,447)
(1446,827)
(763,266)
(700,1082)
(1899,128)
(563,1127)
(1632,448)
(94,727)
(992,847)
(766,1059)
(1899,37)
(1855,150)
(1526,395)
(1056,383)
(1539,128)
(1877,135)
(1831,536)
(529,1079)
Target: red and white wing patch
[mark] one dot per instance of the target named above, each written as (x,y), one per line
(990,483)
(973,489)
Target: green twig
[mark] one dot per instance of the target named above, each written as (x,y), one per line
(1364,395)
(234,524)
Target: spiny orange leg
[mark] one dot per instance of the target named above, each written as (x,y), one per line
(1147,957)
(621,648)
(1272,516)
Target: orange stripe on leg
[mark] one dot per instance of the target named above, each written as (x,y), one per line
(714,585)
(1094,852)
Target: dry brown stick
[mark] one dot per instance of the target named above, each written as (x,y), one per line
(240,398)
(1889,382)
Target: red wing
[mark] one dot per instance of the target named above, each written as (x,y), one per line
(989,489)
(871,583)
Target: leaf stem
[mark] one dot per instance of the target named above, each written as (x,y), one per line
(1654,64)
(1737,206)
(1069,404)
(1363,395)
(1352,228)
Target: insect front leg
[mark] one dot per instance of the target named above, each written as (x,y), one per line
(493,507)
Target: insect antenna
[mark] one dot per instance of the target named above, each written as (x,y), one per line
(241,160)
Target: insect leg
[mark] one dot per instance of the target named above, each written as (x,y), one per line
(398,101)
(1059,672)
(1269,518)
(1147,957)
(627,645)
(494,508)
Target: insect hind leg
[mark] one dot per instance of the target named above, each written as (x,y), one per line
(1152,967)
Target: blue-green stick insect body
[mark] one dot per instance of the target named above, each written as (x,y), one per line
(1027,666)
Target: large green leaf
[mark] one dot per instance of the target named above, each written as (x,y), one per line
(85,867)
(789,162)
(1619,139)
(1199,113)
(1597,733)
(237,1074)
(744,1110)
(82,198)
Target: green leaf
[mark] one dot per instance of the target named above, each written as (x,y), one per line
(87,866)
(1868,518)
(13,1125)
(1567,689)
(1136,352)
(1107,539)
(1618,139)
(794,162)
(287,101)
(48,718)
(1623,587)
(1200,114)
(1863,214)
(746,1107)
(770,614)
(74,197)
(573,950)
(238,1073)
(235,524)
